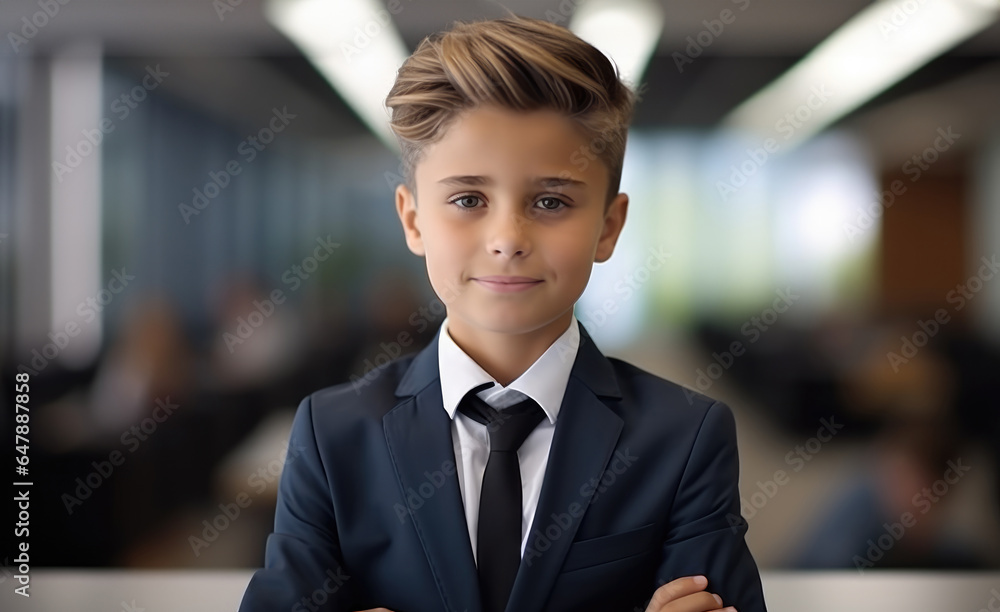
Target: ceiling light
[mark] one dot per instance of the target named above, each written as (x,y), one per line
(878,47)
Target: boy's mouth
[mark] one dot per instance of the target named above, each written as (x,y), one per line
(506,284)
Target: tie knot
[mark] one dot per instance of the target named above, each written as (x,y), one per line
(507,428)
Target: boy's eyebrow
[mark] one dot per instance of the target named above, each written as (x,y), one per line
(545,181)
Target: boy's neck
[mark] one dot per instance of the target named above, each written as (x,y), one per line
(506,356)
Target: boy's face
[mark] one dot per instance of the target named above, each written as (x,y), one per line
(509,225)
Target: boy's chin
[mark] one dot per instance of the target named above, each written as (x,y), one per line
(512,324)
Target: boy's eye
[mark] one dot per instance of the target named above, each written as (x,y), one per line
(466,201)
(549,203)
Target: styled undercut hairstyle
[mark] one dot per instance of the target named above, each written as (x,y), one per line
(520,64)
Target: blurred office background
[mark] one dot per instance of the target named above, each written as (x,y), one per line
(197,230)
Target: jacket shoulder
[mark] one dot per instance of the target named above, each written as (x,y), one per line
(653,391)
(372,394)
(651,403)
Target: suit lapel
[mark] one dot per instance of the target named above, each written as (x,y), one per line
(418,433)
(585,437)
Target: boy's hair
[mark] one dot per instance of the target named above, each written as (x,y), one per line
(517,63)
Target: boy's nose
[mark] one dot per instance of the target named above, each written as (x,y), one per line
(509,234)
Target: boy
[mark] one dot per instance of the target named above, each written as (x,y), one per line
(509,465)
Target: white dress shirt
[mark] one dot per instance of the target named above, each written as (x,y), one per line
(545,382)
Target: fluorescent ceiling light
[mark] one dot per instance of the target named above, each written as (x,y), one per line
(354,44)
(878,47)
(625,30)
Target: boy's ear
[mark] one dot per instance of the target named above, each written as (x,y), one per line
(614,221)
(406,208)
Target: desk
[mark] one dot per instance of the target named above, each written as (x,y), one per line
(221,591)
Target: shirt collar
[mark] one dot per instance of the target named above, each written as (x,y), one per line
(545,381)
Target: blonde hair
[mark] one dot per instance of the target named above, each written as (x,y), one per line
(517,63)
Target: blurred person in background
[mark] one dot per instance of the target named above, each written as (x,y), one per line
(151,358)
(894,513)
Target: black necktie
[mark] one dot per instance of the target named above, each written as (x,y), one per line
(499,533)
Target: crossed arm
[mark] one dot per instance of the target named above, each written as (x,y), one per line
(705,539)
(682,595)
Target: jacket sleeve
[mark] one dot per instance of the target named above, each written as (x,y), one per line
(706,534)
(303,566)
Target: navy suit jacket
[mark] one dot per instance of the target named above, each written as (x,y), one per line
(640,489)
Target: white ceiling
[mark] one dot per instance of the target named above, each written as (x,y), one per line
(181,27)
(231,65)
